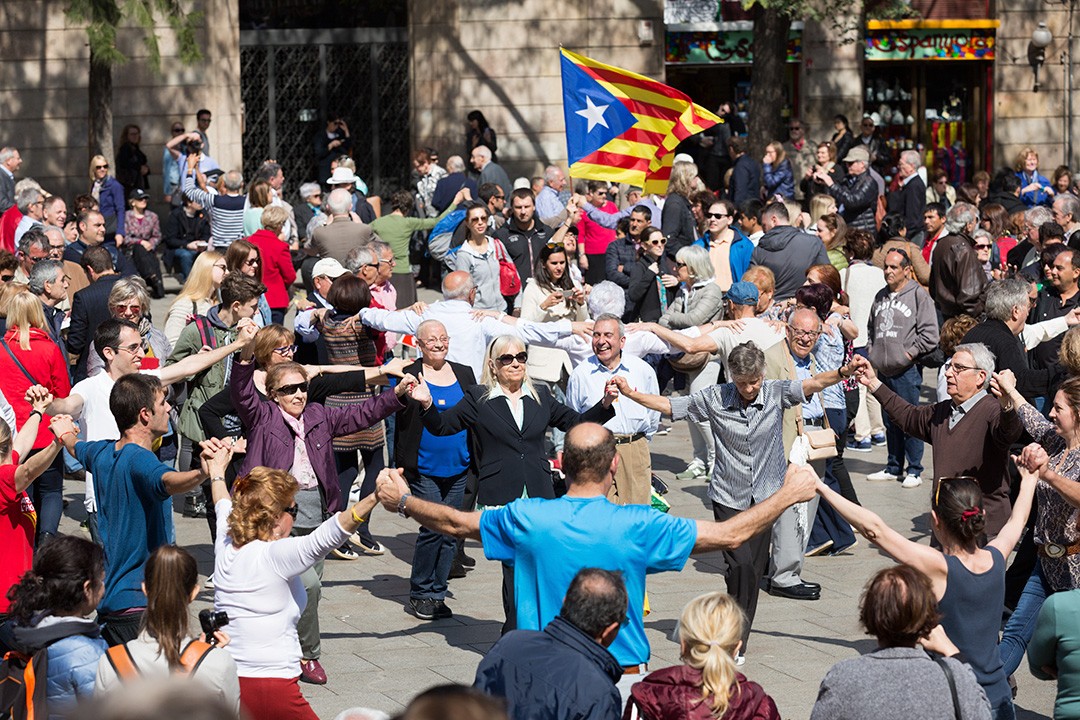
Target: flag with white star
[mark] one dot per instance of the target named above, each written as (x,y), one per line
(623,127)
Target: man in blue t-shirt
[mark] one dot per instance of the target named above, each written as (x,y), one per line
(548,541)
(134,490)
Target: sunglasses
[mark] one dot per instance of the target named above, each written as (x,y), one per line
(177,130)
(942,481)
(251,263)
(285,350)
(507,359)
(554,244)
(717,216)
(980,246)
(7,277)
(292,389)
(132,309)
(680,264)
(661,241)
(102,167)
(293,510)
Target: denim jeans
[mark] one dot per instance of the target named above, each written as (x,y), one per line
(47,492)
(899,444)
(184,259)
(828,524)
(1021,625)
(434,552)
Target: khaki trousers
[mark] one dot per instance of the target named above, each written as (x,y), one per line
(633,477)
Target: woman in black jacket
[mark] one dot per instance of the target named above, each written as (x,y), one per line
(653,280)
(677,218)
(509,419)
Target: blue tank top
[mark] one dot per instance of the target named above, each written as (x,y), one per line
(443,456)
(971,617)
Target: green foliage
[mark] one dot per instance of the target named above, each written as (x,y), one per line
(845,17)
(102,17)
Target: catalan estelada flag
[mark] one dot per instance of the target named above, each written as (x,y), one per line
(623,127)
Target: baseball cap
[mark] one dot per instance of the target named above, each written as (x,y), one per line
(329,267)
(857,154)
(743,293)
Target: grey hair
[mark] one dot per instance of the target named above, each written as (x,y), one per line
(130,287)
(27,197)
(454,164)
(982,357)
(28,183)
(33,236)
(378,247)
(462,293)
(358,257)
(483,150)
(426,324)
(607,298)
(6,154)
(697,262)
(339,201)
(308,189)
(980,233)
(551,172)
(959,217)
(746,360)
(362,713)
(234,181)
(1003,295)
(912,157)
(608,317)
(1070,204)
(1038,216)
(43,272)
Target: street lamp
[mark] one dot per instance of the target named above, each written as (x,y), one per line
(1040,39)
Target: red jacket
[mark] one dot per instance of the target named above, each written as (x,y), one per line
(9,222)
(275,262)
(45,363)
(674,693)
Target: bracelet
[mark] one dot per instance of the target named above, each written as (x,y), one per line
(64,435)
(35,412)
(356,518)
(217,478)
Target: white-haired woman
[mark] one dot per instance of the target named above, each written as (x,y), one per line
(700,300)
(508,417)
(130,300)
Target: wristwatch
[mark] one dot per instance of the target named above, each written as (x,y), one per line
(401,505)
(216,478)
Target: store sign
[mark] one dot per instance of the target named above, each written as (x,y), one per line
(725,48)
(924,44)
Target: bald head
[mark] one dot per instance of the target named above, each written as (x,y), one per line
(458,285)
(429,329)
(589,454)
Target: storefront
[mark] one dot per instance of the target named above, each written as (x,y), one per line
(929,86)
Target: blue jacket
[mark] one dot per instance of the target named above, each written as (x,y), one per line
(779,179)
(558,673)
(111,201)
(1034,197)
(738,256)
(74,646)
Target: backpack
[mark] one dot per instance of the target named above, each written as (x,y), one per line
(22,685)
(191,657)
(440,245)
(207,337)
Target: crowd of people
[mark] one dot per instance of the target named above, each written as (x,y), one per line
(790,310)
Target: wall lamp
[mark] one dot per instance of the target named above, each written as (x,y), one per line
(1040,39)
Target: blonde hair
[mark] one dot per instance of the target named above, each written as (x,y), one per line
(710,629)
(779,150)
(9,290)
(259,498)
(682,179)
(1069,355)
(199,285)
(24,312)
(131,287)
(1022,156)
(819,205)
(498,346)
(94,161)
(274,218)
(269,339)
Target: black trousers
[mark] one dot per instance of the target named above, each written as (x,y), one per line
(745,566)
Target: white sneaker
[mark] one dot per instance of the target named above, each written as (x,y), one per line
(740,660)
(693,471)
(882,475)
(911,481)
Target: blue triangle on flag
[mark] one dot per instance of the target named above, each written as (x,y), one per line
(594,116)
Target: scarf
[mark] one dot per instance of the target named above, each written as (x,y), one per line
(301,465)
(96,189)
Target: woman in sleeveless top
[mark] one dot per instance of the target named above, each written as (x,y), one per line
(968,580)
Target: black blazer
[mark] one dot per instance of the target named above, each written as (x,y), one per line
(409,427)
(510,460)
(89,308)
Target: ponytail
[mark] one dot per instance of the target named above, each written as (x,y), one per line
(57,582)
(171,575)
(710,629)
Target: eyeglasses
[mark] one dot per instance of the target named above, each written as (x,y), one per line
(293,510)
(55,249)
(661,241)
(680,264)
(251,263)
(437,341)
(521,357)
(221,266)
(956,368)
(372,265)
(716,216)
(285,350)
(292,389)
(803,333)
(134,348)
(127,309)
(177,130)
(315,195)
(102,167)
(479,219)
(391,262)
(980,246)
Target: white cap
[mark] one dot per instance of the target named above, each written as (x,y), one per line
(329,267)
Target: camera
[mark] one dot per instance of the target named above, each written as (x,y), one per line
(194,147)
(212,621)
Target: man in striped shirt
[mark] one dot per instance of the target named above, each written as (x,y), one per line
(226,210)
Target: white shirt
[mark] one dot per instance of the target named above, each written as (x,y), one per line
(7,414)
(98,422)
(754,330)
(302,323)
(639,343)
(589,380)
(469,339)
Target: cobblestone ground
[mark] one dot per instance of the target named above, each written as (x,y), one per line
(379,656)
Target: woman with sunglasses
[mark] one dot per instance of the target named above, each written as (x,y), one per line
(259,567)
(199,294)
(508,417)
(129,300)
(1056,460)
(653,282)
(479,256)
(287,432)
(967,575)
(109,194)
(729,248)
(243,257)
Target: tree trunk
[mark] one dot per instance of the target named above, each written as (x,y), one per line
(101,114)
(767,94)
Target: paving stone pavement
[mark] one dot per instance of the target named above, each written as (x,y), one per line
(377,655)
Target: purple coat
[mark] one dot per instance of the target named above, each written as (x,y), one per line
(270,440)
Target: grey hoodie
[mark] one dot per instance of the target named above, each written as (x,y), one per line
(789,252)
(902,326)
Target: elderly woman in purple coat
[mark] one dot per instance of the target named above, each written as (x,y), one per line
(287,433)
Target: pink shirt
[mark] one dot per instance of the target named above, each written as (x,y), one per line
(594,238)
(386,295)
